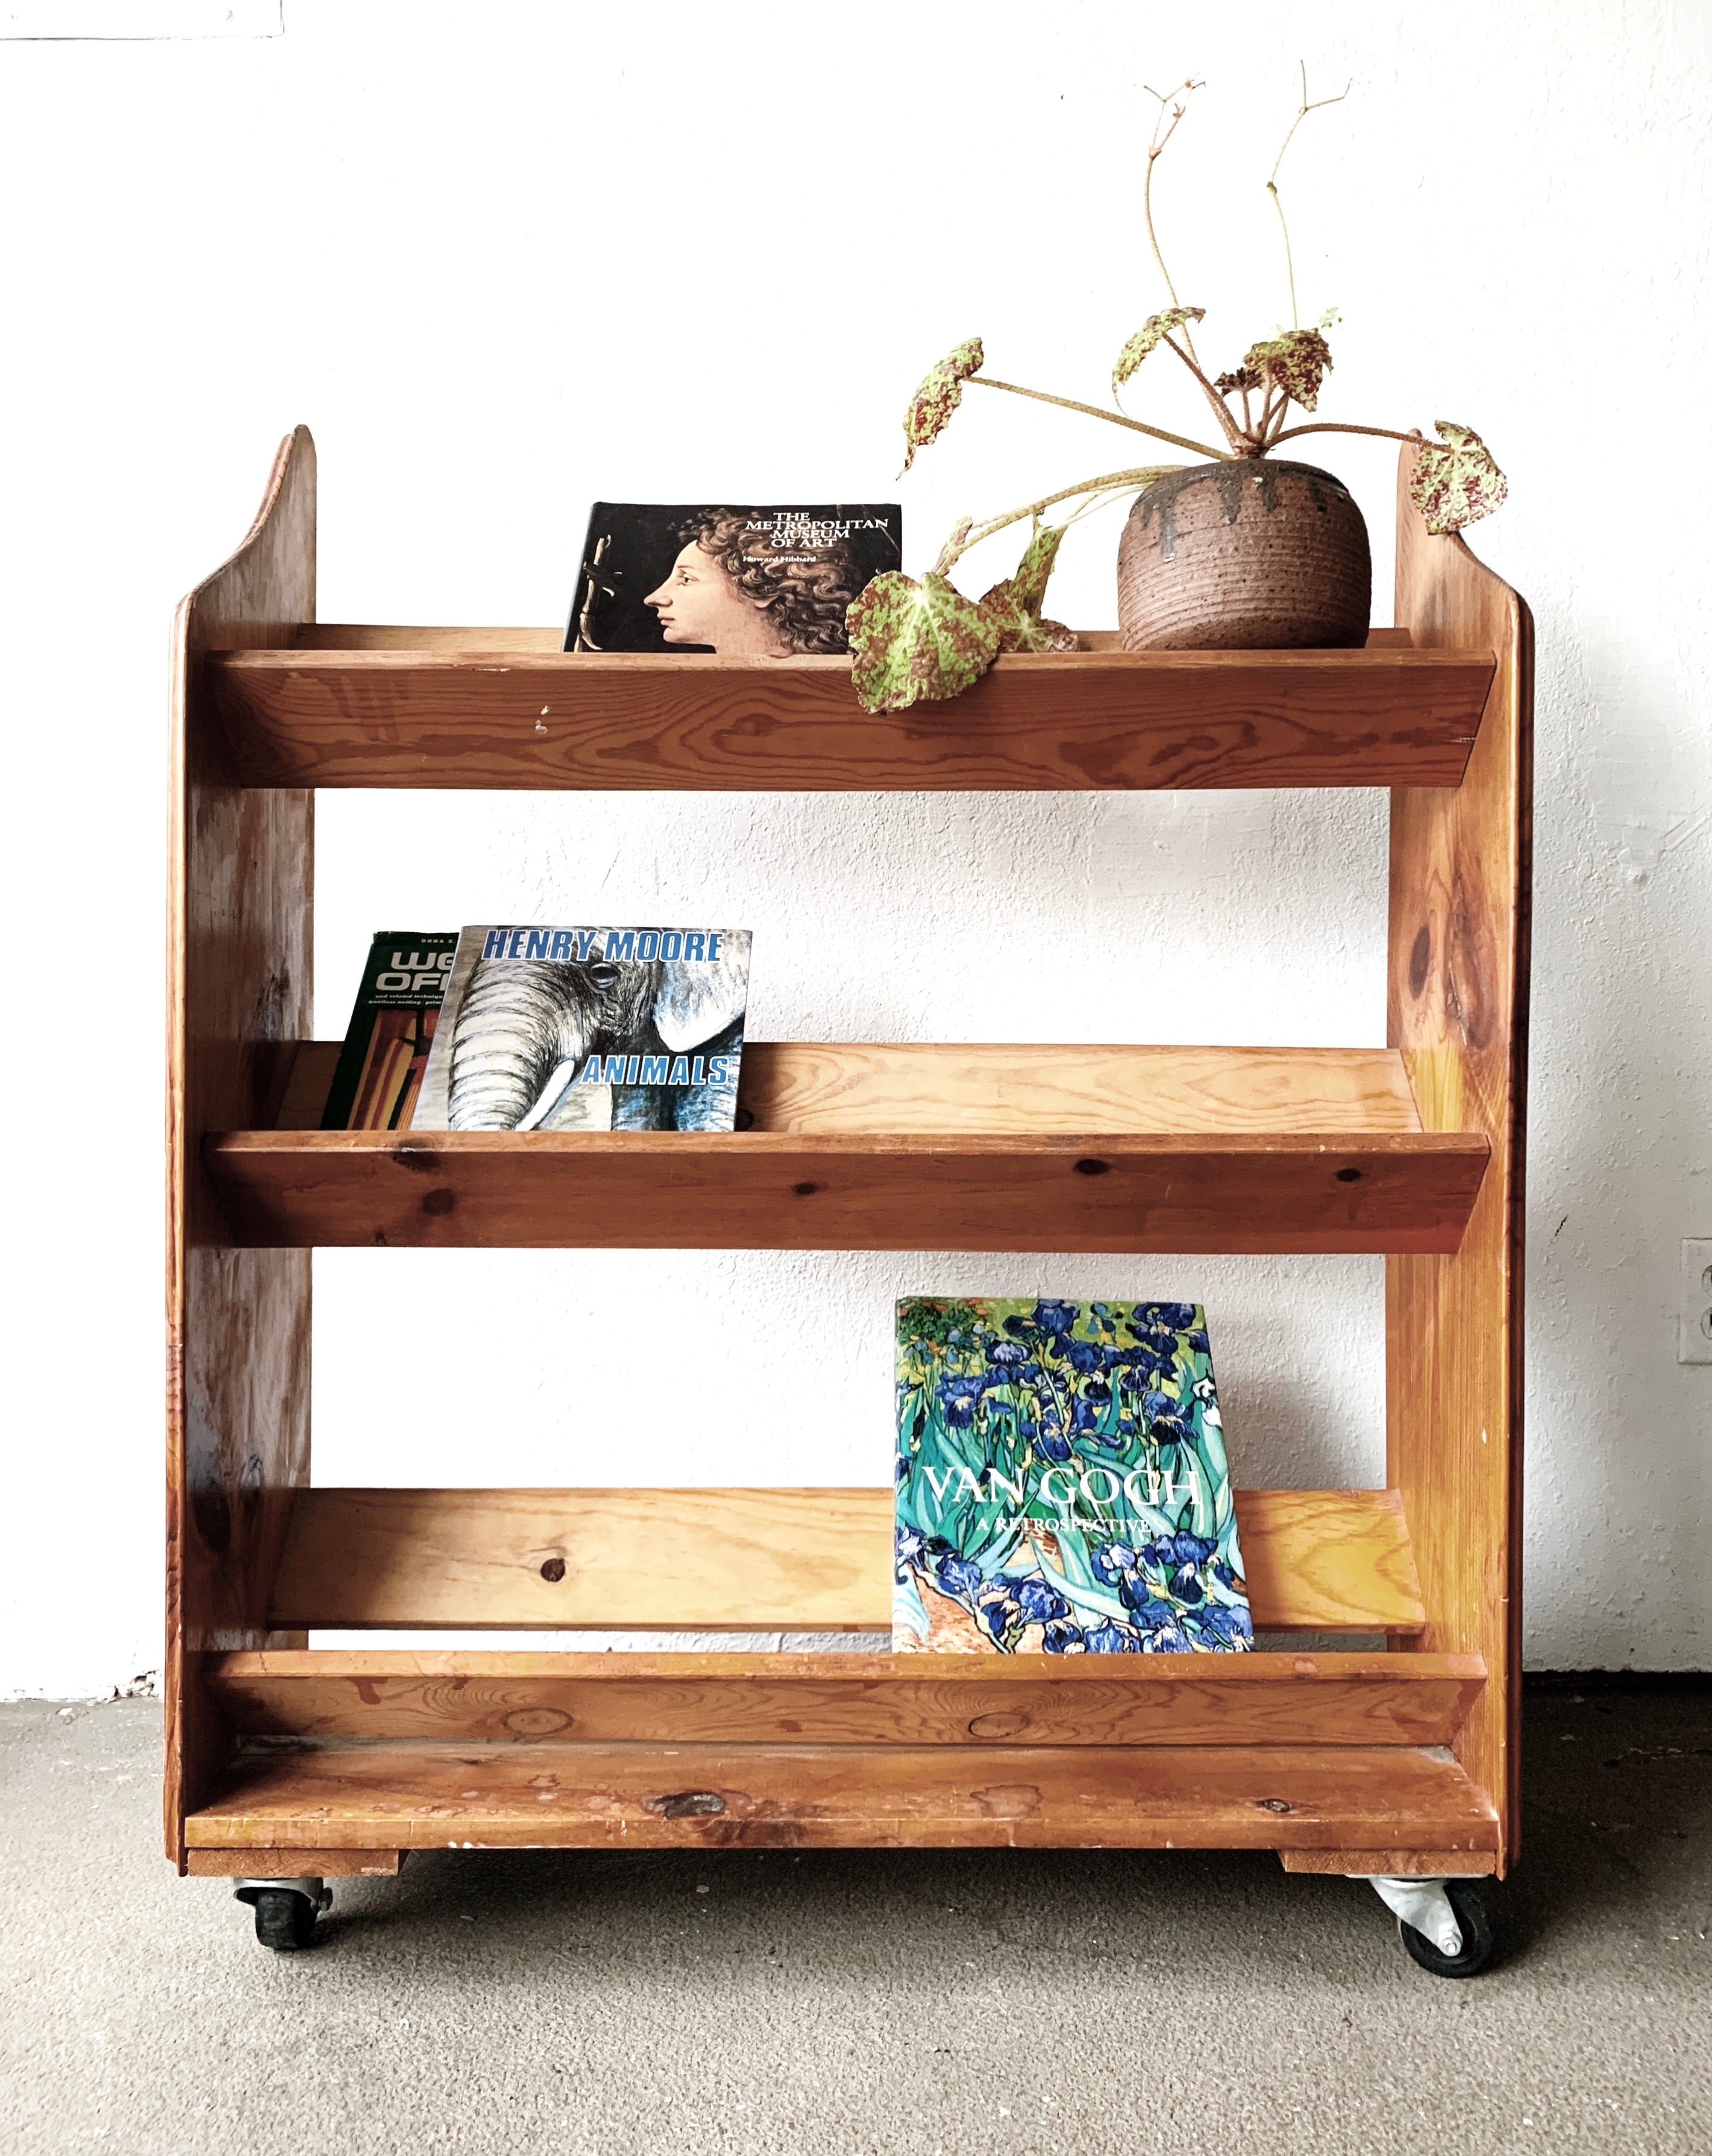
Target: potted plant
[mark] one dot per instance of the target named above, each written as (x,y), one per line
(1241,550)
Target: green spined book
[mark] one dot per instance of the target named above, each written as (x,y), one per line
(1062,1486)
(385,1055)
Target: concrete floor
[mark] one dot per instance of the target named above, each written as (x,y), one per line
(982,2005)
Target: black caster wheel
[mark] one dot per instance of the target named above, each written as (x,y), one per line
(1472,1920)
(285,1917)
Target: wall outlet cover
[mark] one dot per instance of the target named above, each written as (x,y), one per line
(1694,1343)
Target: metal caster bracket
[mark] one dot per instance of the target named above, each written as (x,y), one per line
(314,1890)
(1423,1904)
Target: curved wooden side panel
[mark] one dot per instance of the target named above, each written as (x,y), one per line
(239,947)
(1460,877)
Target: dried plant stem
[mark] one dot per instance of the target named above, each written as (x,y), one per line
(968,535)
(1156,149)
(1272,185)
(1095,412)
(1233,433)
(1339,426)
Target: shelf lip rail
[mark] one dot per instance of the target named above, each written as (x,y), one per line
(1128,1192)
(1104,720)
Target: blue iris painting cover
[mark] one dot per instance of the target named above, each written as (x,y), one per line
(1062,1486)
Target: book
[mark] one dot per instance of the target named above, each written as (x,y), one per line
(589,1030)
(771,583)
(381,1064)
(1060,1485)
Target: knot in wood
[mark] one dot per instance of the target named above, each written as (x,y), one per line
(687,1804)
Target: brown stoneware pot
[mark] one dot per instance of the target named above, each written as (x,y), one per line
(1247,555)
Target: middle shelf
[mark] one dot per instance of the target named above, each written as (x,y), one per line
(882,1147)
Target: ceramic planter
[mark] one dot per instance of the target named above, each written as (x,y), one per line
(1244,556)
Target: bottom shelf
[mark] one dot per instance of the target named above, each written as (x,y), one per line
(375,1750)
(589,1796)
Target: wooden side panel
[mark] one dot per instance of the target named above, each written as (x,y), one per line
(844,1089)
(755,1190)
(748,1560)
(1038,721)
(239,984)
(849,1699)
(1458,997)
(549,1796)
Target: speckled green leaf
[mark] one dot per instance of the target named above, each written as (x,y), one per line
(1296,361)
(916,642)
(1019,630)
(1147,336)
(1457,483)
(939,396)
(1013,607)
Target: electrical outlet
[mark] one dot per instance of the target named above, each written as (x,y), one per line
(1694,1342)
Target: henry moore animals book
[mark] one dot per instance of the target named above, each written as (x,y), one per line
(381,1065)
(589,1030)
(1061,1484)
(748,584)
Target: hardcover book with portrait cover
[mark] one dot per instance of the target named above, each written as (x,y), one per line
(589,1030)
(746,583)
(1062,1487)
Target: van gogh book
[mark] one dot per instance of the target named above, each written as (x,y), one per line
(757,584)
(381,1065)
(1062,1487)
(589,1030)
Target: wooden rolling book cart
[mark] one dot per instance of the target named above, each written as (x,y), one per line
(287,1764)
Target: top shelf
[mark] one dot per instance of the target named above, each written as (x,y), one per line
(359,706)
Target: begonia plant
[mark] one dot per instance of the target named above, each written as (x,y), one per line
(919,639)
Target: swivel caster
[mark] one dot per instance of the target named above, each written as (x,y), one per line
(285,1909)
(1442,1923)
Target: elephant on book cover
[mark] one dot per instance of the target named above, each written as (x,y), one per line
(526,1029)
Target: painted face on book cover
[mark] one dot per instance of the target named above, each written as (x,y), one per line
(698,604)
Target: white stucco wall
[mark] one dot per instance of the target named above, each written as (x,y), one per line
(506,260)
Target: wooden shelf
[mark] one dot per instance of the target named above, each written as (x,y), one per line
(283,1758)
(476,707)
(748,1560)
(520,1795)
(874,1146)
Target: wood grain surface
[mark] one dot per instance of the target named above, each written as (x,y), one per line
(749,1560)
(868,1146)
(506,716)
(290,1863)
(570,1795)
(844,1089)
(1265,1698)
(239,982)
(1460,877)
(763,1190)
(1393,1863)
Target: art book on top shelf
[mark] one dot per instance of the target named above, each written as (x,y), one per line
(589,1030)
(381,1065)
(748,584)
(1061,1482)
